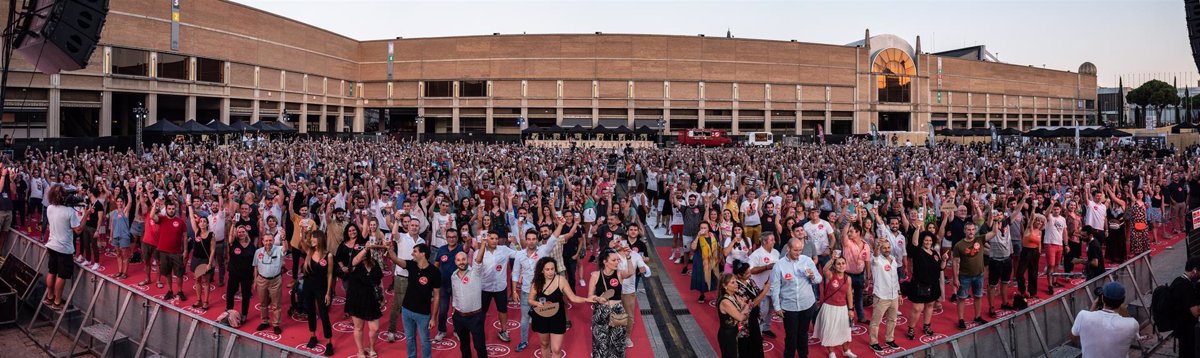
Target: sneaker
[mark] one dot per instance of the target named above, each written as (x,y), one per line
(95,266)
(962,324)
(182,296)
(980,321)
(86,263)
(768,334)
(439,336)
(628,343)
(893,344)
(277,330)
(390,337)
(312,343)
(504,336)
(169,296)
(679,260)
(262,326)
(522,346)
(849,354)
(1005,306)
(329,349)
(78,259)
(876,347)
(672,258)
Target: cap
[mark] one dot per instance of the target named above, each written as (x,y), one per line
(1114,291)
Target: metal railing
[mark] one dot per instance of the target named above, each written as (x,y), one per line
(1045,325)
(131,322)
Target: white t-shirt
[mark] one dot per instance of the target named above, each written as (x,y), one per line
(740,252)
(404,249)
(1104,334)
(1095,216)
(761,257)
(818,234)
(63,220)
(37,188)
(1055,227)
(750,209)
(629,285)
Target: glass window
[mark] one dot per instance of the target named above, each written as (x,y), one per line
(210,70)
(172,66)
(472,89)
(894,71)
(130,62)
(439,89)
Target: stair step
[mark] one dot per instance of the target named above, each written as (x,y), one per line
(1065,352)
(104,332)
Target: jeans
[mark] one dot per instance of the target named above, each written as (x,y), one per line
(524,317)
(445,296)
(795,330)
(764,310)
(419,324)
(859,283)
(470,329)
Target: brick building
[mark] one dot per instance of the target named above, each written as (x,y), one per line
(234,62)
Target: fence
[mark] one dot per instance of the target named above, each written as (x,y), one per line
(144,325)
(1046,325)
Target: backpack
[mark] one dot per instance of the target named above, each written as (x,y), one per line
(1161,309)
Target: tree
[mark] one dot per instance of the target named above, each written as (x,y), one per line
(1155,95)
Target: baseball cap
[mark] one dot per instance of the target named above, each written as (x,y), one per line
(1114,291)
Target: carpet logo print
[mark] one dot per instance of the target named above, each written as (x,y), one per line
(444,345)
(498,350)
(318,349)
(383,336)
(887,351)
(271,336)
(931,338)
(858,330)
(538,353)
(346,326)
(768,346)
(512,324)
(339,301)
(813,340)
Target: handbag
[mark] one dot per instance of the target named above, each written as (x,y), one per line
(200,270)
(618,319)
(548,309)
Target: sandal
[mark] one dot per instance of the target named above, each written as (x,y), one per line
(160,285)
(928,330)
(196,305)
(372,354)
(48,301)
(911,333)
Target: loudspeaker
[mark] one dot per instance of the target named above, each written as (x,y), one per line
(1192,9)
(60,35)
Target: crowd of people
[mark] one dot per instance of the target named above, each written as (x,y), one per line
(797,232)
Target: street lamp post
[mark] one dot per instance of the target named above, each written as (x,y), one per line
(662,126)
(420,125)
(140,113)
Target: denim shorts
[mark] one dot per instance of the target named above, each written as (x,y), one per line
(972,283)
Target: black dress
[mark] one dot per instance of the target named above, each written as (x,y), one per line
(556,324)
(924,286)
(1115,249)
(727,334)
(361,299)
(751,346)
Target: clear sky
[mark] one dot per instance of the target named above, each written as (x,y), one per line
(1136,39)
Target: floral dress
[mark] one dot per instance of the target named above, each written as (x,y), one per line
(1139,233)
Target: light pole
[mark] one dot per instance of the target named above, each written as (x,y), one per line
(662,126)
(140,113)
(420,125)
(521,128)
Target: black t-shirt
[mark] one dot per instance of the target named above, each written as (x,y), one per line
(345,255)
(94,219)
(1184,297)
(768,223)
(1178,192)
(421,282)
(571,246)
(607,234)
(639,246)
(1094,252)
(956,230)
(201,247)
(241,258)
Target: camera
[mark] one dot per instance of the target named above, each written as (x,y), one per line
(74,199)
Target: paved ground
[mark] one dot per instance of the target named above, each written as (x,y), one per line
(1165,266)
(14,343)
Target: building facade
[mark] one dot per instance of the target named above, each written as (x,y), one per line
(232,62)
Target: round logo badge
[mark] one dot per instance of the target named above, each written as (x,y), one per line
(317,350)
(499,268)
(612,282)
(237,251)
(423,280)
(887,267)
(445,258)
(498,350)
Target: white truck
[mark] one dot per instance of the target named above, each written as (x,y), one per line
(760,139)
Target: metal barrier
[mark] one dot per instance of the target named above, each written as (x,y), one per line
(144,325)
(1046,325)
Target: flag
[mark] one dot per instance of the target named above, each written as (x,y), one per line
(821,133)
(1076,140)
(932,138)
(995,136)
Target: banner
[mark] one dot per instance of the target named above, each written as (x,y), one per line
(175,25)
(821,133)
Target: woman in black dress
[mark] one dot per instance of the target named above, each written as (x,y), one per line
(317,289)
(343,258)
(924,288)
(241,268)
(732,312)
(750,346)
(364,299)
(199,250)
(548,296)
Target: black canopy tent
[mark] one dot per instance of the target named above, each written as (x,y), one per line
(164,128)
(282,127)
(221,128)
(242,126)
(194,127)
(265,127)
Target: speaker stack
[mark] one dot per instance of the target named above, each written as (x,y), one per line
(60,35)
(1192,7)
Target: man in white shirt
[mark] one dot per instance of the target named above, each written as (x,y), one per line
(762,261)
(891,232)
(630,260)
(495,282)
(64,224)
(887,291)
(404,248)
(1052,243)
(1106,331)
(819,233)
(752,216)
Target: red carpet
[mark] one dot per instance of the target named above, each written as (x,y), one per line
(944,323)
(576,343)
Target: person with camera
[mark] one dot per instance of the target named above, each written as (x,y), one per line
(64,224)
(1106,330)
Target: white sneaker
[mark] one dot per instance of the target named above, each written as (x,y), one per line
(85,263)
(78,259)
(849,354)
(679,260)
(439,336)
(672,258)
(95,265)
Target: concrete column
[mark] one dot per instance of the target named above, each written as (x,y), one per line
(190,108)
(359,121)
(767,118)
(254,111)
(734,127)
(488,115)
(321,121)
(106,113)
(151,108)
(224,116)
(54,114)
(339,121)
(303,122)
